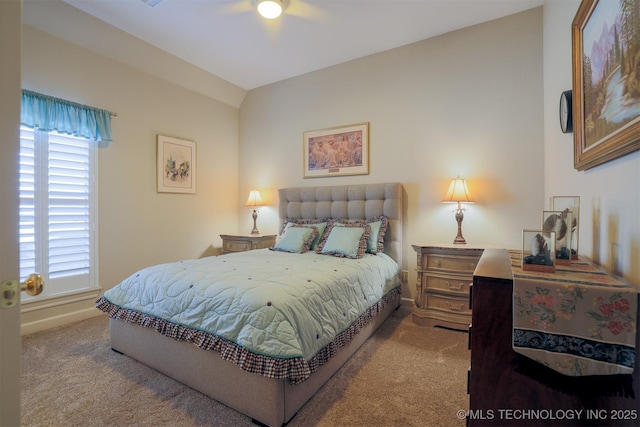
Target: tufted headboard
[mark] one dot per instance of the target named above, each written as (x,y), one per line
(361,201)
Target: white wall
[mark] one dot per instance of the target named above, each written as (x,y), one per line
(467,103)
(610,193)
(139,227)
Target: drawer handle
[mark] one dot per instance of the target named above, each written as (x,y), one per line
(455,308)
(437,263)
(454,287)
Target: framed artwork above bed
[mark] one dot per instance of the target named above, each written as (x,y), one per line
(176,167)
(336,151)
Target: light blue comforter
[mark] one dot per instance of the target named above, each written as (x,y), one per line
(275,304)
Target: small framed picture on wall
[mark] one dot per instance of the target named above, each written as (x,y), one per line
(176,168)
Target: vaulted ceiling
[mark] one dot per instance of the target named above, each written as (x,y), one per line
(227,38)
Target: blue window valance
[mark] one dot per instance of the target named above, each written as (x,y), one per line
(46,113)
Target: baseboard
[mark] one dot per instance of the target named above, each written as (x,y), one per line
(406,302)
(40,315)
(59,320)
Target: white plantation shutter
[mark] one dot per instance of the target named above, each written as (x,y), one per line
(57,210)
(69,217)
(28,167)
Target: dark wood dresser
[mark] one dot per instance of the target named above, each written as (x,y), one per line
(500,396)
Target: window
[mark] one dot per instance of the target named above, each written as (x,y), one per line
(58,236)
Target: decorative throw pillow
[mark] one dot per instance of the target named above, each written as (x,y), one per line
(378,225)
(346,240)
(296,239)
(320,224)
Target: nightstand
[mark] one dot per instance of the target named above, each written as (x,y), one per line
(445,272)
(247,242)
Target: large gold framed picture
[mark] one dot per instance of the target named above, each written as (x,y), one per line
(337,151)
(606,81)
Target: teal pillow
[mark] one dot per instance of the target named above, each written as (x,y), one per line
(378,225)
(296,239)
(345,240)
(372,241)
(321,224)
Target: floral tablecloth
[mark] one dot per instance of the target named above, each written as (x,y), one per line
(578,321)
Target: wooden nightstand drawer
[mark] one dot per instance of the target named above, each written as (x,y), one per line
(236,246)
(446,303)
(457,263)
(447,283)
(233,243)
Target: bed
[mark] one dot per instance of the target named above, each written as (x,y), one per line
(237,364)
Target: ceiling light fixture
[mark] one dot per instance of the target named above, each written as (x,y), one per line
(270,9)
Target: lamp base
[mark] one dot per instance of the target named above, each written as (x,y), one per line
(255,229)
(459,240)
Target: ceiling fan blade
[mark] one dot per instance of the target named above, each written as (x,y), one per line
(305,10)
(151,3)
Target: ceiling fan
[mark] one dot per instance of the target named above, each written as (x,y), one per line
(298,8)
(269,9)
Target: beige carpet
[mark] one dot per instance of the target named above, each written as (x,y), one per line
(404,375)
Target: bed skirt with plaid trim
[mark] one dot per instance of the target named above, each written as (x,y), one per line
(295,369)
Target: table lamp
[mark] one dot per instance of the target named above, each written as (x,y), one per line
(253,202)
(458,193)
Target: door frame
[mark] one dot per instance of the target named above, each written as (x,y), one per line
(10,95)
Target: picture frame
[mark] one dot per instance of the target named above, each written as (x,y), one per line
(176,165)
(336,151)
(606,121)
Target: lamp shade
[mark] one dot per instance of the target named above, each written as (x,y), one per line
(254,199)
(458,192)
(270,9)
